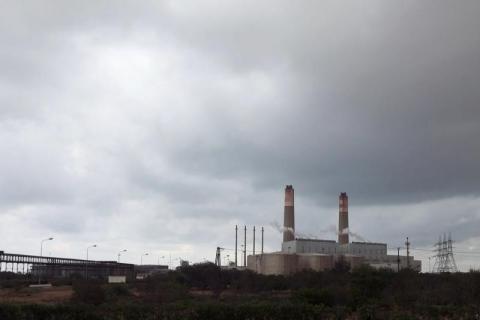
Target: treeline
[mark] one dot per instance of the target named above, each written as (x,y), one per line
(364,292)
(204,291)
(362,285)
(220,311)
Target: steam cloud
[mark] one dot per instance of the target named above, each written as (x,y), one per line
(330,229)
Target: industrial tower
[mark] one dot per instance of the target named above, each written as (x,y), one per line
(444,259)
(289,215)
(343,219)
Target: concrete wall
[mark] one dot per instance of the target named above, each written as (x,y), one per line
(117,279)
(413,264)
(315,262)
(280,263)
(273,263)
(353,260)
(310,246)
(369,250)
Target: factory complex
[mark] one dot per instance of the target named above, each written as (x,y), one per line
(299,254)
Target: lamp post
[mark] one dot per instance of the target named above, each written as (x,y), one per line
(93,246)
(119,253)
(41,254)
(86,262)
(141,257)
(41,245)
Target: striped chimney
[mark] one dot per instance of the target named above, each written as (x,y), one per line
(343,219)
(289,215)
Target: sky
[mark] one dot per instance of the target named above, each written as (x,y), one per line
(157,126)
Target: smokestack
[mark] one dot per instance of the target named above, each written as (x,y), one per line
(289,215)
(343,219)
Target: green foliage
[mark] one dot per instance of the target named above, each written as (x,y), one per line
(210,311)
(232,311)
(206,292)
(368,285)
(116,292)
(314,296)
(163,288)
(341,265)
(67,281)
(203,276)
(90,292)
(13,280)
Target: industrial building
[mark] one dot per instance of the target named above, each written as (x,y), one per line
(298,254)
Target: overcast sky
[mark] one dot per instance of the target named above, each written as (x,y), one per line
(157,126)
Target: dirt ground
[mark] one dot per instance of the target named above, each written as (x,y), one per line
(36,295)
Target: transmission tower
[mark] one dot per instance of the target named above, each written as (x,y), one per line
(444,259)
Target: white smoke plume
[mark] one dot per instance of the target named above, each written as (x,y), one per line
(358,237)
(330,229)
(354,235)
(275,225)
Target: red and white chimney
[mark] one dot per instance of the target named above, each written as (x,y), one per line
(343,218)
(289,215)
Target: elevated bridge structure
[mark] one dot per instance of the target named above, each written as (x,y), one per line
(59,267)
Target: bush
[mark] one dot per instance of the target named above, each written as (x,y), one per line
(90,292)
(115,292)
(314,296)
(162,289)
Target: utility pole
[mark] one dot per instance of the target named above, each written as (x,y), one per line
(262,240)
(253,240)
(236,245)
(245,248)
(398,259)
(408,253)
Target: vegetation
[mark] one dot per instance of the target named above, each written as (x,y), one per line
(204,291)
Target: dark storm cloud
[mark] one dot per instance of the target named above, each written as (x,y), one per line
(173,115)
(382,103)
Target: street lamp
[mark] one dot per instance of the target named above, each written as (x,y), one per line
(141,257)
(41,254)
(86,262)
(124,250)
(94,246)
(41,245)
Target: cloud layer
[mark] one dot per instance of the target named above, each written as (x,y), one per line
(159,126)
